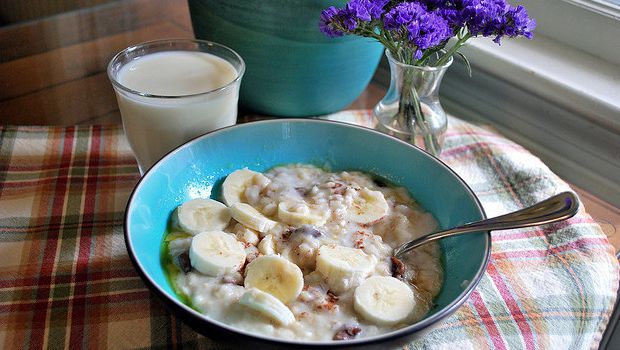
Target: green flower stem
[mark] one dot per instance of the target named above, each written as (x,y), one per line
(424,59)
(410,115)
(450,52)
(382,38)
(409,108)
(409,102)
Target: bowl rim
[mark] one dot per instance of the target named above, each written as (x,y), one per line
(381,338)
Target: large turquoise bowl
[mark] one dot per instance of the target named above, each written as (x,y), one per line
(292,68)
(197,169)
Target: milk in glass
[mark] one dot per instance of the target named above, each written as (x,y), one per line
(178,95)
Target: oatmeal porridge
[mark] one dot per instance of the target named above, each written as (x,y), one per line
(301,253)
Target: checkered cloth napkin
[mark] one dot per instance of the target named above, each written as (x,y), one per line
(66,279)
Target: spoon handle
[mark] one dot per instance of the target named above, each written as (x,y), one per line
(559,207)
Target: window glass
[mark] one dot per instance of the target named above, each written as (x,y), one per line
(614,2)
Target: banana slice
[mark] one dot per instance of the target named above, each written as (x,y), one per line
(267,245)
(343,267)
(297,214)
(369,206)
(250,217)
(216,253)
(246,235)
(384,300)
(267,305)
(202,214)
(275,275)
(236,182)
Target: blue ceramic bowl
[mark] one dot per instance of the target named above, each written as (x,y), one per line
(293,69)
(197,168)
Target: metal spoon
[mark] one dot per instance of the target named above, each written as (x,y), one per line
(559,207)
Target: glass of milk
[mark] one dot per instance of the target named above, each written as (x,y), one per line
(171,91)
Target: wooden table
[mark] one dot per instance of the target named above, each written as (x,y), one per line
(53,70)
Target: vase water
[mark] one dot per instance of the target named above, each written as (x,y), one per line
(411,109)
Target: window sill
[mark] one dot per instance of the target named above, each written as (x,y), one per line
(560,103)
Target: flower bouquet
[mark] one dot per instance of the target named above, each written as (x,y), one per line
(421,37)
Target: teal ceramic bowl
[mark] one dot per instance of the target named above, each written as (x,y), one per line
(292,68)
(197,168)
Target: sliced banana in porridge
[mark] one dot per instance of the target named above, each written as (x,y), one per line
(216,253)
(384,300)
(301,253)
(344,268)
(248,216)
(200,215)
(276,276)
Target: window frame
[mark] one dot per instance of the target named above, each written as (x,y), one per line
(576,23)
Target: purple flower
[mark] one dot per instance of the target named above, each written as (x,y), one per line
(452,16)
(365,10)
(377,8)
(358,9)
(497,18)
(421,28)
(458,12)
(435,4)
(328,21)
(402,15)
(349,18)
(519,23)
(486,17)
(413,27)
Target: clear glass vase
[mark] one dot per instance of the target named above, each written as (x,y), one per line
(410,109)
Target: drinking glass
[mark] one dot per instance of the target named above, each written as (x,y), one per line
(156,123)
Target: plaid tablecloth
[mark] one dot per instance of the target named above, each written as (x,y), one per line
(66,279)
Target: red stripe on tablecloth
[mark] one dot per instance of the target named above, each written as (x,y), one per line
(550,250)
(47,128)
(115,162)
(515,310)
(53,179)
(488,321)
(461,129)
(133,296)
(64,226)
(476,144)
(39,317)
(464,132)
(567,223)
(509,236)
(78,311)
(59,279)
